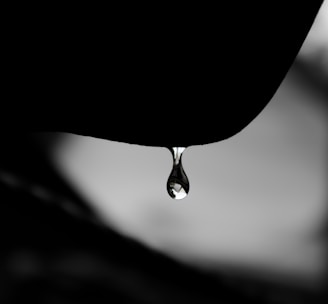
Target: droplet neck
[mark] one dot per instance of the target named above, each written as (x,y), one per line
(177,154)
(177,183)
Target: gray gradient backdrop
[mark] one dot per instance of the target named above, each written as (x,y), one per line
(257,200)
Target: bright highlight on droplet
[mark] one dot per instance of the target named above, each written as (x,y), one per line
(177,183)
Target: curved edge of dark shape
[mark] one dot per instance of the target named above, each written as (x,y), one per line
(216,79)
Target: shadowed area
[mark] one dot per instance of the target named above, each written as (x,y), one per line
(208,69)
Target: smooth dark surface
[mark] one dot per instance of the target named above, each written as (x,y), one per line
(157,76)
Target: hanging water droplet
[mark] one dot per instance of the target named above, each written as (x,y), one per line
(177,183)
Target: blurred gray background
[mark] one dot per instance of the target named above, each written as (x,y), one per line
(257,201)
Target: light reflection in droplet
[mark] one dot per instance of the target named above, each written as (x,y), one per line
(177,183)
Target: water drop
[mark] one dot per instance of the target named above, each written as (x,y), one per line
(177,183)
